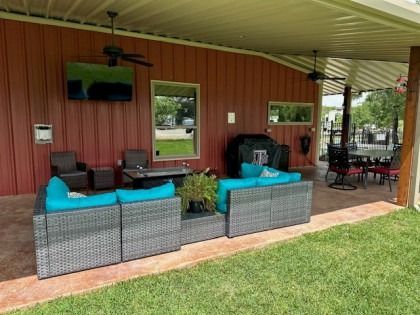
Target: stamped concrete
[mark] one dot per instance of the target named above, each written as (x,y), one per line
(19,286)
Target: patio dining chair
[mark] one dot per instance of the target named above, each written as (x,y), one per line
(392,169)
(339,163)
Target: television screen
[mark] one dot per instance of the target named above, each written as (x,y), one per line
(87,81)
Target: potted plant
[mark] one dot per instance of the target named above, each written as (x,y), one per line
(198,192)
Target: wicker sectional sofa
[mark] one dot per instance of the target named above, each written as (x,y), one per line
(79,239)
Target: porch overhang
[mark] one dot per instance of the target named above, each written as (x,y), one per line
(367,42)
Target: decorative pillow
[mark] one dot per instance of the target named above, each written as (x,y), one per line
(249,170)
(267,173)
(73,194)
(160,192)
(224,185)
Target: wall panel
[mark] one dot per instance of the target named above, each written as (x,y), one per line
(33,90)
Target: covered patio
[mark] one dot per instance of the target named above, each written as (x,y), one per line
(20,287)
(236,59)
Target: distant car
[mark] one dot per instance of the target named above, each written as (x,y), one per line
(187,121)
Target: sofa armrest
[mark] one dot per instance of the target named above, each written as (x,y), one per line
(39,221)
(81,166)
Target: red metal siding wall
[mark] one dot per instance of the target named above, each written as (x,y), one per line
(32,90)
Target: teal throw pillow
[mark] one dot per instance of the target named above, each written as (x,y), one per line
(249,170)
(57,188)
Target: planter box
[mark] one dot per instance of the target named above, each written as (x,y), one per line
(196,227)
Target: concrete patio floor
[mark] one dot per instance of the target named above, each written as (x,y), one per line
(19,286)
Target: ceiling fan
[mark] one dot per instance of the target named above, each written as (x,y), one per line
(319,76)
(113,52)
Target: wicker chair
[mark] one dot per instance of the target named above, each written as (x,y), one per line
(65,166)
(133,159)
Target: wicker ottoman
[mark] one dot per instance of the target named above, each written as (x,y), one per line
(102,177)
(196,227)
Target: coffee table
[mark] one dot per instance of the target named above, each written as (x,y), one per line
(152,177)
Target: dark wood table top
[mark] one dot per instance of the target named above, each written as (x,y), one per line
(158,172)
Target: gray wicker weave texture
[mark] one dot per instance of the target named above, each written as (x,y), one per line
(40,235)
(202,228)
(75,240)
(249,211)
(150,228)
(291,204)
(103,177)
(84,239)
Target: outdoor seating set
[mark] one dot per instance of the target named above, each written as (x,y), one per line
(73,234)
(349,160)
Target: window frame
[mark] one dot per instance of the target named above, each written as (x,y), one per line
(290,123)
(196,127)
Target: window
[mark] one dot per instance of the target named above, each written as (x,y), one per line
(175,117)
(282,113)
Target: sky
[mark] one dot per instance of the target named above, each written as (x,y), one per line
(337,100)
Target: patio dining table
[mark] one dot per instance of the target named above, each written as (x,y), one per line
(370,155)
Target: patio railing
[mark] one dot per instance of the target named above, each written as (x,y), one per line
(365,138)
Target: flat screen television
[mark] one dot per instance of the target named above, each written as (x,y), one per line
(87,81)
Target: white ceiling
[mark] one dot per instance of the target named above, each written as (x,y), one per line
(366,41)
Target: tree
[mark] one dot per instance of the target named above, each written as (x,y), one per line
(165,109)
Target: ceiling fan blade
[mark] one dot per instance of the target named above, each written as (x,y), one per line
(140,62)
(334,79)
(132,55)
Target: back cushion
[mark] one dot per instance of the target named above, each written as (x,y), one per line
(250,170)
(60,204)
(224,185)
(64,161)
(160,192)
(57,188)
(135,157)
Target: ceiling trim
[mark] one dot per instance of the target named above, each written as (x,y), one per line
(101,29)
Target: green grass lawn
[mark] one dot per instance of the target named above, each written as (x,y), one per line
(367,268)
(175,147)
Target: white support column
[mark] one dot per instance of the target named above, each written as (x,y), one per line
(414,192)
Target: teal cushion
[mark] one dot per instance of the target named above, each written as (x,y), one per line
(224,185)
(268,181)
(160,192)
(249,170)
(57,188)
(295,177)
(64,203)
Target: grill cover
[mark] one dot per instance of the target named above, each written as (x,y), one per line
(242,149)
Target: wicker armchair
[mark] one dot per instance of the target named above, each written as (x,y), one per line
(133,159)
(65,166)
